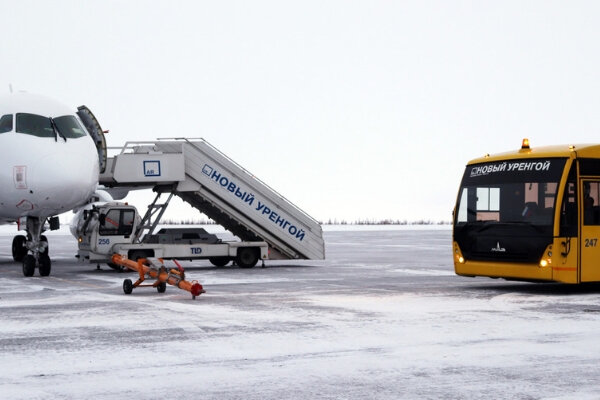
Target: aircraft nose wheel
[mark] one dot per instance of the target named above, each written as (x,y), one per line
(28,265)
(45,265)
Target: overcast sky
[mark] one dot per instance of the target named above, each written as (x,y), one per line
(352,110)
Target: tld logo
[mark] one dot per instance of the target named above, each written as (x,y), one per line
(196,250)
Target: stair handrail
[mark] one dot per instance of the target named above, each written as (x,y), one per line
(245,171)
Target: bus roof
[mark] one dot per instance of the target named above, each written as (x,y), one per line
(568,151)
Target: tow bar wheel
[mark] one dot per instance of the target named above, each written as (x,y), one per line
(127,286)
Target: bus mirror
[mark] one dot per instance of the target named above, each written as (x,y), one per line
(102,219)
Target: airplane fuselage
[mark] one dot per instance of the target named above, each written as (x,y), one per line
(43,171)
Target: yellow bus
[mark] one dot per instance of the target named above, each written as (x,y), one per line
(531,214)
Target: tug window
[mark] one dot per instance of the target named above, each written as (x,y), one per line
(117,222)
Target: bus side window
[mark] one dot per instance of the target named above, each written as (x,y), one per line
(591,211)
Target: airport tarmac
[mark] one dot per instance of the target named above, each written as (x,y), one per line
(383,317)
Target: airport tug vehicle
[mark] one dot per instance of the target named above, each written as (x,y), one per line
(112,233)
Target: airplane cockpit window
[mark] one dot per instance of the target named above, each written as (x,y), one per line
(66,126)
(6,123)
(69,127)
(35,125)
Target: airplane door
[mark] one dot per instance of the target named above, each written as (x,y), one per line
(93,127)
(590,230)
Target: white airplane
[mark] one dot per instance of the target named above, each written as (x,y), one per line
(50,157)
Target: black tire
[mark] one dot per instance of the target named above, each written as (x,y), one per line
(136,255)
(219,261)
(45,265)
(45,239)
(116,267)
(19,251)
(162,287)
(247,257)
(127,286)
(28,265)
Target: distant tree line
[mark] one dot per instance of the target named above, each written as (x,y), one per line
(191,221)
(384,222)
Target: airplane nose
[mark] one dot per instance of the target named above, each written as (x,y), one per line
(60,181)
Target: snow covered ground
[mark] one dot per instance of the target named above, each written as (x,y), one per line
(384,317)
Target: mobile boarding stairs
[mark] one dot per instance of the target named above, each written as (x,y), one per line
(201,175)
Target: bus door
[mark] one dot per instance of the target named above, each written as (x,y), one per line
(590,230)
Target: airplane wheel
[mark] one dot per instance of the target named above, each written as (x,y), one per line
(247,257)
(45,239)
(127,286)
(219,261)
(45,265)
(28,265)
(162,287)
(19,251)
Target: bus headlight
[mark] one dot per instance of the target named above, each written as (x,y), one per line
(547,258)
(544,262)
(458,257)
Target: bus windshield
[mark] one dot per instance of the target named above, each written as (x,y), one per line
(507,201)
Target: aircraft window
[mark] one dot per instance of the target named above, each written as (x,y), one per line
(6,123)
(69,127)
(35,125)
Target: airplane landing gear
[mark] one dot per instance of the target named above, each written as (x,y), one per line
(37,245)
